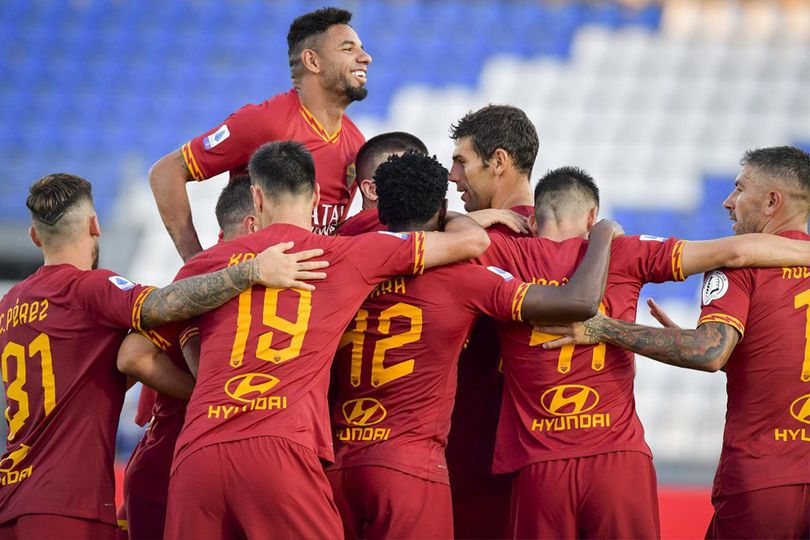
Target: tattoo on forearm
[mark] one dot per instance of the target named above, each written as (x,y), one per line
(195,295)
(682,347)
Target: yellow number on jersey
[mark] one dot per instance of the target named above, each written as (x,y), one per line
(40,345)
(380,373)
(567,352)
(270,318)
(799,301)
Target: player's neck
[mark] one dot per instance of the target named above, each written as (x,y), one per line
(297,215)
(327,108)
(80,258)
(559,231)
(367,204)
(512,192)
(782,224)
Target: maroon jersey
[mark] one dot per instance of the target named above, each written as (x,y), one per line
(265,355)
(396,366)
(60,331)
(765,443)
(367,220)
(228,147)
(147,473)
(478,401)
(573,402)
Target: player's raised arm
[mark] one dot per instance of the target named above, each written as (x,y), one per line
(462,239)
(195,295)
(753,249)
(580,298)
(168,177)
(142,360)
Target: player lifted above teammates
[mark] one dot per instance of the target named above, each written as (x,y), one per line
(146,482)
(328,67)
(373,152)
(762,486)
(396,369)
(60,330)
(492,161)
(264,364)
(568,424)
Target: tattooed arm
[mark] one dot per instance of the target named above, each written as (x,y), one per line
(705,348)
(195,295)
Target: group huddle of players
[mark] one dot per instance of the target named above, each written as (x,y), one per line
(407,372)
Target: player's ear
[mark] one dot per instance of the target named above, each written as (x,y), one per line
(774,202)
(499,161)
(311,61)
(32,233)
(258,199)
(593,215)
(316,196)
(369,189)
(95,227)
(249,223)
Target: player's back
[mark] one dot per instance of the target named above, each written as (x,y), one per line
(60,330)
(396,366)
(265,355)
(572,402)
(768,375)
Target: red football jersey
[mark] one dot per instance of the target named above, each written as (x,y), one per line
(396,365)
(573,402)
(60,331)
(765,443)
(228,147)
(265,355)
(364,221)
(478,400)
(149,466)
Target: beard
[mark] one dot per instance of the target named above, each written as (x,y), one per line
(95,256)
(344,84)
(355,93)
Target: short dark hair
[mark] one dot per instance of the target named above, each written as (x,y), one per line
(53,195)
(411,189)
(282,167)
(386,143)
(500,126)
(560,186)
(235,202)
(307,28)
(783,162)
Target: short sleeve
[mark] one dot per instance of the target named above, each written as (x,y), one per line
(168,335)
(491,290)
(650,259)
(113,300)
(500,253)
(380,255)
(725,298)
(229,145)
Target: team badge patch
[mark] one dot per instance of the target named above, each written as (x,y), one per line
(650,238)
(216,137)
(121,282)
(400,235)
(501,272)
(714,286)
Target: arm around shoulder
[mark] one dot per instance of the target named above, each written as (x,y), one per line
(462,239)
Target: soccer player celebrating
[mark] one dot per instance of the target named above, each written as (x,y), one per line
(328,67)
(146,482)
(568,424)
(258,415)
(374,152)
(762,485)
(396,367)
(60,330)
(495,150)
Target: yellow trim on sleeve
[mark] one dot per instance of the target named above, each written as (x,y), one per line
(123,525)
(725,319)
(517,301)
(677,265)
(159,341)
(187,334)
(136,308)
(191,162)
(419,253)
